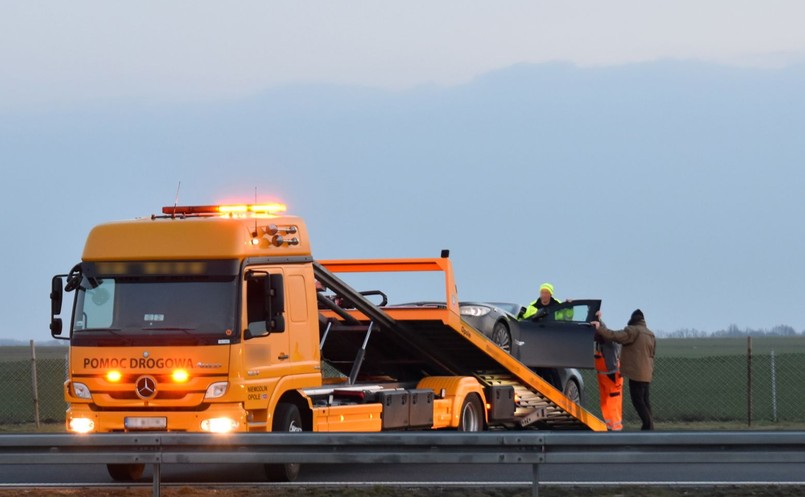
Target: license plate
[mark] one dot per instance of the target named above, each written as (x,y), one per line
(145,423)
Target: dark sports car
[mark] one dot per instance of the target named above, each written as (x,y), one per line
(545,344)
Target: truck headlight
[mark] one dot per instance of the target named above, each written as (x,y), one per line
(81,391)
(82,425)
(216,390)
(219,425)
(475,310)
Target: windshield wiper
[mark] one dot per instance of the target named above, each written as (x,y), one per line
(112,331)
(169,328)
(187,331)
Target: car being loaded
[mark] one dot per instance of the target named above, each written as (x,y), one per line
(553,348)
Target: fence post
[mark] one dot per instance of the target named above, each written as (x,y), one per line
(749,381)
(34,384)
(773,389)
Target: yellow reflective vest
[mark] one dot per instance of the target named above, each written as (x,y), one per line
(560,315)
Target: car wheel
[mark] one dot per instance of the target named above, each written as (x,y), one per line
(286,419)
(502,336)
(572,391)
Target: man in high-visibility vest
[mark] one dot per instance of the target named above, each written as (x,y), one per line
(610,382)
(542,306)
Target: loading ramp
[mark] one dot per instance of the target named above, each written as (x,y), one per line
(409,343)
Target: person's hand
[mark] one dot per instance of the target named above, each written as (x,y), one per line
(569,301)
(598,314)
(596,325)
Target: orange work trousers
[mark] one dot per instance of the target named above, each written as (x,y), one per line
(610,388)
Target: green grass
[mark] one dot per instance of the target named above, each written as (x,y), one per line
(706,381)
(50,427)
(16,386)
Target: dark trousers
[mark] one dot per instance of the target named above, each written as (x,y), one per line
(638,390)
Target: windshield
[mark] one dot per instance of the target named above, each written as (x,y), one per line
(149,306)
(510,308)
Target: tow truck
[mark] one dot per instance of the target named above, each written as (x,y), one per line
(217,319)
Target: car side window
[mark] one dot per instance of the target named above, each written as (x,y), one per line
(569,311)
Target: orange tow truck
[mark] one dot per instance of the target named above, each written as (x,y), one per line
(218,319)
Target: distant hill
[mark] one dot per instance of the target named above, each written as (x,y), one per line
(6,342)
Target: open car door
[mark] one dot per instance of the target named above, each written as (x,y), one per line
(559,338)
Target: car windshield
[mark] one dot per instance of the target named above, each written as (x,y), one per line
(134,305)
(508,307)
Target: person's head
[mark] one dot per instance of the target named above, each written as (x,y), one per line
(637,318)
(545,293)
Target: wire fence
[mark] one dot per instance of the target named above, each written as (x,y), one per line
(726,380)
(32,384)
(734,381)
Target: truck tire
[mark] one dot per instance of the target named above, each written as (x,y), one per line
(286,419)
(125,472)
(472,414)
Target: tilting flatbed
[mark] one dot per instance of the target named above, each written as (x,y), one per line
(435,341)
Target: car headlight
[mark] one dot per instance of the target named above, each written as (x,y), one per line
(475,310)
(81,391)
(216,390)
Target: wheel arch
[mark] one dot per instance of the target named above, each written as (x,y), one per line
(302,403)
(457,389)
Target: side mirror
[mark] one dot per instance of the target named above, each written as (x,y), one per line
(56,299)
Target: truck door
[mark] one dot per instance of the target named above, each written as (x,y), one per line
(561,337)
(266,337)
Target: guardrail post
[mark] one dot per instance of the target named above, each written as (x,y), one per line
(535,483)
(157,479)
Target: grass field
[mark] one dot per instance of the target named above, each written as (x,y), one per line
(698,382)
(16,385)
(705,380)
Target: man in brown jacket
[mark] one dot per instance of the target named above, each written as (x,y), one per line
(637,360)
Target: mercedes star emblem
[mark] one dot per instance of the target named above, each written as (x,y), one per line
(146,387)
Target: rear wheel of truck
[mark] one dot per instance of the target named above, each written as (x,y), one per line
(125,472)
(472,414)
(286,419)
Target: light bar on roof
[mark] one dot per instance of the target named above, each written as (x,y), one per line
(239,209)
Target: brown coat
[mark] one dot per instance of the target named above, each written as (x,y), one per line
(637,357)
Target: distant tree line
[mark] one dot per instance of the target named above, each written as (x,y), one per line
(781,330)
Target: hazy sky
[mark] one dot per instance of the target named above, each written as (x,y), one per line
(62,52)
(669,135)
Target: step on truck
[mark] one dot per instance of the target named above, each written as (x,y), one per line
(218,319)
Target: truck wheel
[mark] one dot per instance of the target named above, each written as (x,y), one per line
(288,419)
(125,472)
(502,336)
(472,414)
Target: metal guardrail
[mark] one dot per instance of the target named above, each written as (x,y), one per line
(533,448)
